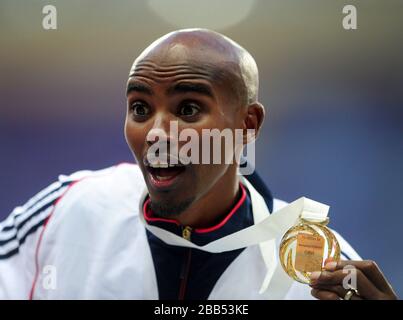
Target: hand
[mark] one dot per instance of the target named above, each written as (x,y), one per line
(371,283)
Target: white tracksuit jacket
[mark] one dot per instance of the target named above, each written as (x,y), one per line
(81,238)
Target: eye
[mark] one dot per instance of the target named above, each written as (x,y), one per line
(139,109)
(189,109)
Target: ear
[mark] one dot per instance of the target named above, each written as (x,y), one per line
(253,120)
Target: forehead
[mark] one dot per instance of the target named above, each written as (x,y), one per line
(172,61)
(189,69)
(215,80)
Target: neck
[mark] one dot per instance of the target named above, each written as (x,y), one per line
(214,205)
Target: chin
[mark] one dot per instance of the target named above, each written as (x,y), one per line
(167,208)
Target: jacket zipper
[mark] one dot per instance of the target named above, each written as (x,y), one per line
(186,234)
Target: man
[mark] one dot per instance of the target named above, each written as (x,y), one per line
(97,235)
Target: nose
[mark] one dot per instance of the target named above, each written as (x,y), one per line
(160,130)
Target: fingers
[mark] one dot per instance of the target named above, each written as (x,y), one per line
(371,271)
(324,294)
(327,279)
(337,289)
(370,281)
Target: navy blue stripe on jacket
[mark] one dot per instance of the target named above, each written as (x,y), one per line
(191,274)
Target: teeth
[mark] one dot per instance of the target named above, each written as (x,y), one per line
(163,165)
(163,178)
(159,165)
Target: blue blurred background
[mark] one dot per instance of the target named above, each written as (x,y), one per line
(333,97)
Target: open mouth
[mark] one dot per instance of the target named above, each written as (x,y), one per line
(163,174)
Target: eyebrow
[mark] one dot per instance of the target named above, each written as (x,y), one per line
(185,87)
(138,87)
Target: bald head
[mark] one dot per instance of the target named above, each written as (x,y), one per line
(211,54)
(199,80)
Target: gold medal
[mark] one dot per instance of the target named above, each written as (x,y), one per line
(306,246)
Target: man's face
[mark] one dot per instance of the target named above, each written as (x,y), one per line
(165,90)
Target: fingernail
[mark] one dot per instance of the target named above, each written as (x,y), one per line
(315,275)
(331,266)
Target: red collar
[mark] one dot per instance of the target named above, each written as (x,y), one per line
(150,217)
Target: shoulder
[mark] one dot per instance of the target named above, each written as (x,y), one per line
(117,188)
(127,173)
(278,204)
(112,180)
(96,206)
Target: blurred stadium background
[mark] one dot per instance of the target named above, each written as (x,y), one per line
(334,100)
